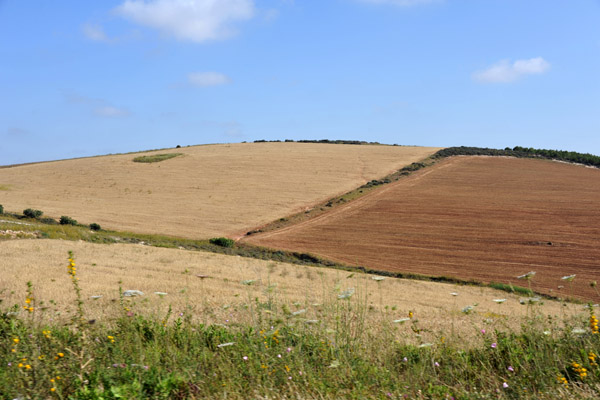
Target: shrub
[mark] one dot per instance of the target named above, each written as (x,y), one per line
(64,220)
(156,157)
(48,221)
(31,213)
(1,209)
(95,227)
(222,241)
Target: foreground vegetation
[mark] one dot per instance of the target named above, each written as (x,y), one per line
(279,354)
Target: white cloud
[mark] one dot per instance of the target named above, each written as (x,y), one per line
(94,32)
(98,107)
(401,3)
(203,79)
(110,112)
(505,71)
(195,20)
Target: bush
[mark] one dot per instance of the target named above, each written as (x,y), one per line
(48,221)
(222,241)
(31,213)
(156,157)
(64,220)
(1,209)
(95,227)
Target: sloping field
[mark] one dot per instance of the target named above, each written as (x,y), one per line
(482,218)
(221,297)
(209,191)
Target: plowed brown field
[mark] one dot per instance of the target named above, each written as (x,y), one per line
(483,218)
(211,190)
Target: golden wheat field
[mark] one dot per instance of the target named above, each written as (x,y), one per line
(209,191)
(230,288)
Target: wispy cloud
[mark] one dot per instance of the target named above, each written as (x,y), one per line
(110,112)
(16,131)
(98,107)
(400,3)
(203,79)
(195,20)
(94,32)
(504,71)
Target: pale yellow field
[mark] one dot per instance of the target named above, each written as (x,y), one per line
(211,190)
(222,298)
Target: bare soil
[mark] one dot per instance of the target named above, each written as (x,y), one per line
(211,190)
(488,219)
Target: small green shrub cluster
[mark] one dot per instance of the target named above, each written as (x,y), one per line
(31,213)
(1,209)
(156,157)
(95,227)
(64,220)
(222,241)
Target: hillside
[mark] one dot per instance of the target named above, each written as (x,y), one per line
(221,294)
(483,218)
(208,191)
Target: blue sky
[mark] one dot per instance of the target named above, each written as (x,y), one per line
(81,78)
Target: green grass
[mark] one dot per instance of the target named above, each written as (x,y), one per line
(279,355)
(156,157)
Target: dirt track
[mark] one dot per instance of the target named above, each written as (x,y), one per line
(482,218)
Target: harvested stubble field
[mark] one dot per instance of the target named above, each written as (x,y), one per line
(220,296)
(475,218)
(209,191)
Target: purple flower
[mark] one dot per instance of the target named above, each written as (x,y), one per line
(437,364)
(10,364)
(278,355)
(290,378)
(505,385)
(511,369)
(405,359)
(289,349)
(245,358)
(483,331)
(494,345)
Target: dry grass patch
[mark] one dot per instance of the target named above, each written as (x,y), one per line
(231,289)
(209,191)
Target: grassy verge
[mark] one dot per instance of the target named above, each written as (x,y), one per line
(281,355)
(156,157)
